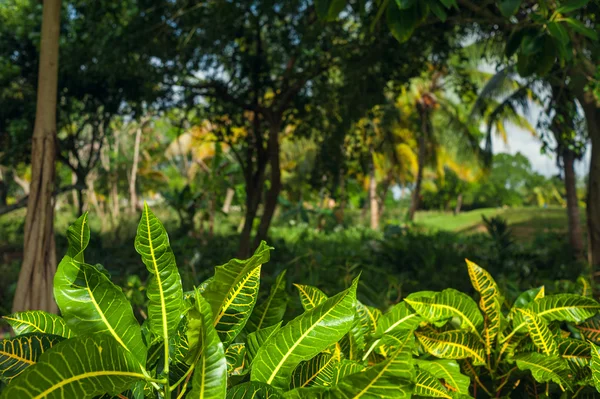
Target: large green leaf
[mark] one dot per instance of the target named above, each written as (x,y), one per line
(89,301)
(402,23)
(328,10)
(560,307)
(310,297)
(257,338)
(571,5)
(590,329)
(210,366)
(38,321)
(233,292)
(509,7)
(345,368)
(545,368)
(579,27)
(595,366)
(445,305)
(447,370)
(453,345)
(81,367)
(253,390)
(392,378)
(16,354)
(490,303)
(398,317)
(271,311)
(303,338)
(576,352)
(428,385)
(236,359)
(540,334)
(318,371)
(165,307)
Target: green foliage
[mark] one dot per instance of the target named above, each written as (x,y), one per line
(215,343)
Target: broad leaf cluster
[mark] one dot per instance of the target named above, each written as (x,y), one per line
(221,341)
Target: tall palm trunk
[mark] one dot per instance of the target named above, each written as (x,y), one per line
(134,168)
(373,204)
(416,194)
(575,234)
(34,288)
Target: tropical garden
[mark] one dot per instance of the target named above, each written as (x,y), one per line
(299,199)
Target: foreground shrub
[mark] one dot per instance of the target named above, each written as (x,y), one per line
(217,341)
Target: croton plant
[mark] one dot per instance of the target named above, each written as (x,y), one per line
(228,339)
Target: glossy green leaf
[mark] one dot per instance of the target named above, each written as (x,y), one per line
(398,317)
(345,368)
(576,352)
(545,368)
(571,5)
(303,338)
(453,345)
(38,321)
(509,7)
(447,370)
(254,390)
(401,23)
(428,385)
(257,338)
(590,329)
(90,302)
(18,353)
(595,366)
(164,285)
(579,27)
(236,359)
(318,371)
(437,9)
(526,297)
(447,304)
(210,366)
(540,334)
(233,292)
(81,367)
(310,297)
(558,31)
(270,311)
(392,378)
(328,10)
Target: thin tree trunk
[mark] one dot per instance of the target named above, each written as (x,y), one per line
(592,116)
(134,168)
(34,288)
(24,184)
(228,199)
(211,217)
(575,234)
(373,204)
(459,201)
(275,188)
(416,194)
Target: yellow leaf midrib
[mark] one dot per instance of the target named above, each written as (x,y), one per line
(90,374)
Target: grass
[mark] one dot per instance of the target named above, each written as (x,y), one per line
(525,222)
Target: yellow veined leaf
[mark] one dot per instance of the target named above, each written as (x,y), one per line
(447,304)
(590,329)
(303,338)
(233,292)
(453,345)
(577,353)
(345,368)
(585,286)
(540,334)
(490,303)
(393,377)
(595,366)
(429,386)
(18,353)
(236,359)
(38,321)
(318,371)
(89,302)
(257,338)
(545,368)
(80,367)
(164,290)
(271,311)
(449,372)
(254,390)
(310,297)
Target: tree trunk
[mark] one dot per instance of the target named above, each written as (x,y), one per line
(373,204)
(575,234)
(416,194)
(134,168)
(275,189)
(459,201)
(592,116)
(34,288)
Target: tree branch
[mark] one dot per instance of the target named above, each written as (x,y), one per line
(22,203)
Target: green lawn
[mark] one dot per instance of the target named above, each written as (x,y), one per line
(525,222)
